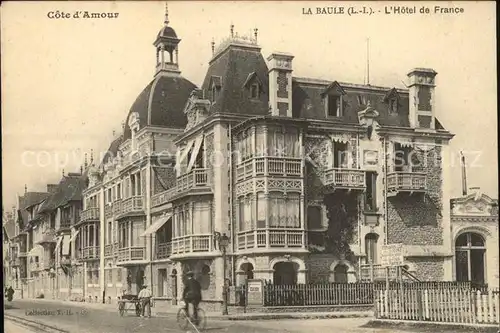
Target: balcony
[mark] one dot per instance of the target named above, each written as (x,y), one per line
(116,207)
(342,178)
(48,237)
(163,251)
(133,253)
(195,182)
(192,244)
(269,166)
(90,214)
(66,224)
(90,253)
(108,250)
(271,238)
(65,260)
(133,204)
(409,182)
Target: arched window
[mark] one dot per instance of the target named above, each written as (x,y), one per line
(371,248)
(470,254)
(340,273)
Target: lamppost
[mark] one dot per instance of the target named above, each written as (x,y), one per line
(223,243)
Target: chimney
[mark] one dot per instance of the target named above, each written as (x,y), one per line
(51,188)
(280,84)
(422,98)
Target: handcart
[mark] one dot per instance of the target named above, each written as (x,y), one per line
(129,303)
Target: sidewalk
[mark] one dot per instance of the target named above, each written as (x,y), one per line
(172,311)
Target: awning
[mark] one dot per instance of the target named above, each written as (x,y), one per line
(185,152)
(36,251)
(157,225)
(74,236)
(340,138)
(66,245)
(59,240)
(194,155)
(404,142)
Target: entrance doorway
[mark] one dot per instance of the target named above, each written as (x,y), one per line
(285,273)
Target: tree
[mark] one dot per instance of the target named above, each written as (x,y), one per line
(342,217)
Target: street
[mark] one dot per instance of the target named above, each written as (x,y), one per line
(74,317)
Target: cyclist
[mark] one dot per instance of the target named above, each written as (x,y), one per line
(192,294)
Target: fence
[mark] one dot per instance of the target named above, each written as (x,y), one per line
(452,305)
(319,294)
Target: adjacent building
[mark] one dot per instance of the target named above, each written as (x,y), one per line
(267,158)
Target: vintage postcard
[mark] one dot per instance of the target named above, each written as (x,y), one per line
(190,166)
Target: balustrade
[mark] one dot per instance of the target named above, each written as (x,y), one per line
(192,244)
(90,252)
(163,250)
(132,204)
(89,214)
(131,253)
(406,182)
(271,238)
(269,166)
(345,178)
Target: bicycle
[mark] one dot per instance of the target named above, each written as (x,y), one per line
(184,320)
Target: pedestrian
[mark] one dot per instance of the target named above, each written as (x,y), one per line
(192,294)
(10,294)
(145,299)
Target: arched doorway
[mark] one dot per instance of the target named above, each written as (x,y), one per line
(285,273)
(470,252)
(340,273)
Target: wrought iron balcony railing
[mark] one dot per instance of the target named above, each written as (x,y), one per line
(131,253)
(163,250)
(192,244)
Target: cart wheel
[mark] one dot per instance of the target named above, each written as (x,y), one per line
(121,309)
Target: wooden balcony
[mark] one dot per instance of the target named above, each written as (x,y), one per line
(192,244)
(193,183)
(409,182)
(48,237)
(163,250)
(269,166)
(133,204)
(90,253)
(66,224)
(66,261)
(131,254)
(116,207)
(90,214)
(271,238)
(347,179)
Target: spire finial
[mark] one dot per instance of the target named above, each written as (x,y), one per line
(166,14)
(213,46)
(63,172)
(85,163)
(25,188)
(91,156)
(232,30)
(81,169)
(114,133)
(255,33)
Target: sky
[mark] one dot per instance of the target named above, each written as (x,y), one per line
(68,84)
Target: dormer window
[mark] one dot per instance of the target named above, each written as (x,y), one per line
(254,91)
(393,106)
(215,93)
(214,88)
(334,106)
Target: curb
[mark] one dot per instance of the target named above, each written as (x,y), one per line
(31,324)
(295,316)
(386,323)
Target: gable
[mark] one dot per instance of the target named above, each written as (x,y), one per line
(333,89)
(474,205)
(391,94)
(251,79)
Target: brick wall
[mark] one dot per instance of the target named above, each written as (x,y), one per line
(166,176)
(417,219)
(428,268)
